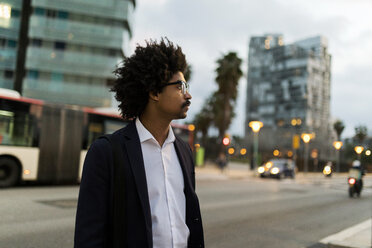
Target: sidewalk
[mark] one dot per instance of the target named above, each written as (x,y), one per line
(358,236)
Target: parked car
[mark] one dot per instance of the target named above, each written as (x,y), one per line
(278,168)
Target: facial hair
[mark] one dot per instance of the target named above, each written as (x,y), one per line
(186,103)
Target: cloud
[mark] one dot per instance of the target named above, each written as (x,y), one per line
(206,29)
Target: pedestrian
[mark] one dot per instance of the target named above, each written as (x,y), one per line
(160,208)
(222,161)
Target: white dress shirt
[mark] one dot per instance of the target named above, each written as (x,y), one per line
(165,186)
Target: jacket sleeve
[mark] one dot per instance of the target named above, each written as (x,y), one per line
(92,214)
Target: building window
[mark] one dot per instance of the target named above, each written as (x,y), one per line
(5,11)
(32,74)
(15,13)
(51,13)
(2,42)
(12,43)
(62,14)
(36,42)
(60,45)
(57,77)
(8,74)
(39,11)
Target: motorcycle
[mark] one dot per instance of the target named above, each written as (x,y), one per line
(355,186)
(327,170)
(355,180)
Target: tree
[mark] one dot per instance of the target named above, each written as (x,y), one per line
(360,133)
(203,120)
(339,128)
(188,72)
(228,75)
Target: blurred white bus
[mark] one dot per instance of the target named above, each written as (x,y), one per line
(47,142)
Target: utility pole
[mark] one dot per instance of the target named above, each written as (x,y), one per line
(22,46)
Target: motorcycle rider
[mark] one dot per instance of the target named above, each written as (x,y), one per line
(357,166)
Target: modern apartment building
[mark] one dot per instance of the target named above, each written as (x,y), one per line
(63,51)
(289,90)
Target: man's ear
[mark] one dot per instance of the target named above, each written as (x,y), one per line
(154,96)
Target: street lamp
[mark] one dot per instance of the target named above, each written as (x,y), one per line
(337,145)
(306,137)
(256,126)
(359,150)
(231,151)
(243,151)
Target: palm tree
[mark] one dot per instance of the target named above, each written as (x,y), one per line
(228,75)
(188,72)
(360,133)
(339,128)
(203,120)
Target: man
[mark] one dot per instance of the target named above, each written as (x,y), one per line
(161,209)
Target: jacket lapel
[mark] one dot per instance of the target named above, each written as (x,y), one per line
(134,153)
(184,165)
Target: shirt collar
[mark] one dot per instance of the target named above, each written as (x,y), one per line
(145,135)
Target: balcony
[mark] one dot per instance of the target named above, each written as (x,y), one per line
(9,28)
(71,62)
(76,32)
(67,93)
(6,83)
(8,58)
(118,9)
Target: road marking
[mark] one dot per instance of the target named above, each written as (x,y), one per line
(340,237)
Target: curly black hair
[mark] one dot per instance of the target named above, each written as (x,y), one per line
(146,71)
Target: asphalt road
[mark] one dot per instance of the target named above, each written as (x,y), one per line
(248,212)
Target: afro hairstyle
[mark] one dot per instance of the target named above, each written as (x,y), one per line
(146,71)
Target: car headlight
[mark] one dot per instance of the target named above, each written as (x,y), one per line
(327,170)
(261,169)
(275,170)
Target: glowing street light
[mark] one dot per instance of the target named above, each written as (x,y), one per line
(306,137)
(359,150)
(256,126)
(231,151)
(368,152)
(337,145)
(243,151)
(191,127)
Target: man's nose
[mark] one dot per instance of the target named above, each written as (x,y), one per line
(188,95)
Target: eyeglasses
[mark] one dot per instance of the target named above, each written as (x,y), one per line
(184,86)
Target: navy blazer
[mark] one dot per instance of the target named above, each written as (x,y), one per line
(94,211)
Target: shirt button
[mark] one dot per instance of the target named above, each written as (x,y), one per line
(196,219)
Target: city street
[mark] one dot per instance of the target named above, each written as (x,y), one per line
(243,211)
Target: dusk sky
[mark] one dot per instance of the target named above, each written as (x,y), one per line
(206,29)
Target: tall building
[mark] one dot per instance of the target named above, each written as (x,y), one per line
(10,12)
(63,51)
(289,90)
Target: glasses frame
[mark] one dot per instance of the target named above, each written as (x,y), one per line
(185,86)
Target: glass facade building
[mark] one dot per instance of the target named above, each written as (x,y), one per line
(289,90)
(10,12)
(73,47)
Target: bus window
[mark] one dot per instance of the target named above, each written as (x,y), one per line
(16,129)
(94,131)
(113,125)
